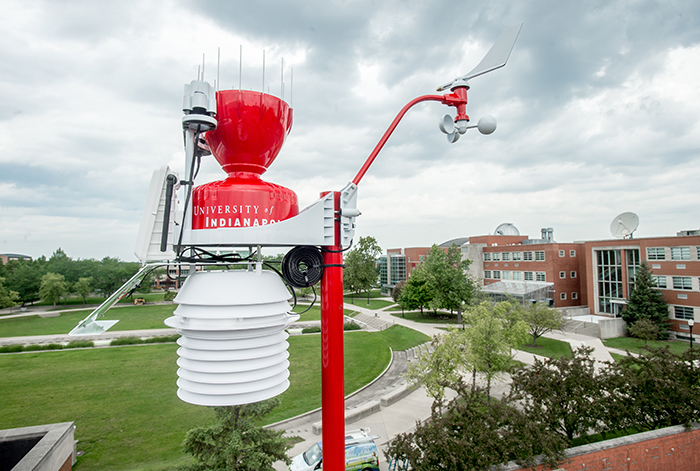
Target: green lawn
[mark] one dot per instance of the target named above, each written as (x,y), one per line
(637,345)
(375,293)
(428,317)
(130,318)
(549,348)
(374,304)
(314,314)
(124,401)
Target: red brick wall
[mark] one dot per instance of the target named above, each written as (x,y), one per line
(677,452)
(68,465)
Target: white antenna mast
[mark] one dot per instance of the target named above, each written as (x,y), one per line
(199,72)
(218,68)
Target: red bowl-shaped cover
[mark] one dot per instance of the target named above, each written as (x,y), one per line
(251,130)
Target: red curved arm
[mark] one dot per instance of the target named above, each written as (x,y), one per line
(457,99)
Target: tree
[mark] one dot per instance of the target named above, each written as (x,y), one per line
(494,331)
(360,273)
(442,368)
(542,319)
(8,298)
(646,302)
(24,277)
(236,442)
(474,435)
(446,272)
(53,287)
(417,292)
(83,287)
(654,390)
(563,394)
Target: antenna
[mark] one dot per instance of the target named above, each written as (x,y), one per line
(624,225)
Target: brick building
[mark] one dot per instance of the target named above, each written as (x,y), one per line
(598,275)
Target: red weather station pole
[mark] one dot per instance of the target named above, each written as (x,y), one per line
(332,361)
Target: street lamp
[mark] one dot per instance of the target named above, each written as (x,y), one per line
(690,326)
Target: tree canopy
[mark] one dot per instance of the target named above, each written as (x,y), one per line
(542,319)
(645,301)
(53,287)
(236,442)
(360,273)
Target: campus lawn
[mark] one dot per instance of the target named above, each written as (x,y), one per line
(637,345)
(123,400)
(130,318)
(375,293)
(374,304)
(314,314)
(550,348)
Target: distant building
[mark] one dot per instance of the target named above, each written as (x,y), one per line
(597,275)
(6,257)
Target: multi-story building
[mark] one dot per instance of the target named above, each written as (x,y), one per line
(397,265)
(6,257)
(597,275)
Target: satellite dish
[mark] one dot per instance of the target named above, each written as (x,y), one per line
(507,229)
(624,225)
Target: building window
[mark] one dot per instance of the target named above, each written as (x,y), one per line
(572,274)
(682,282)
(656,253)
(562,274)
(656,266)
(506,275)
(527,256)
(609,274)
(562,296)
(633,264)
(659,281)
(574,295)
(487,256)
(683,312)
(572,253)
(680,266)
(539,255)
(506,256)
(541,276)
(561,253)
(517,256)
(496,275)
(528,276)
(680,253)
(496,257)
(487,274)
(421,258)
(517,275)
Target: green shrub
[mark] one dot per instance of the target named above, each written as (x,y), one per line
(52,346)
(11,348)
(164,339)
(126,341)
(314,329)
(33,348)
(169,295)
(351,326)
(80,344)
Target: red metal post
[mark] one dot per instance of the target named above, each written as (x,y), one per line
(332,364)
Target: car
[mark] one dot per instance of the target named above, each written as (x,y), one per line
(361,454)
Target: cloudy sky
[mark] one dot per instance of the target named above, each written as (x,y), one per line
(598,113)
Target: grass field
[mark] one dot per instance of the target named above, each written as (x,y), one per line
(549,348)
(124,401)
(374,304)
(313,314)
(637,345)
(130,318)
